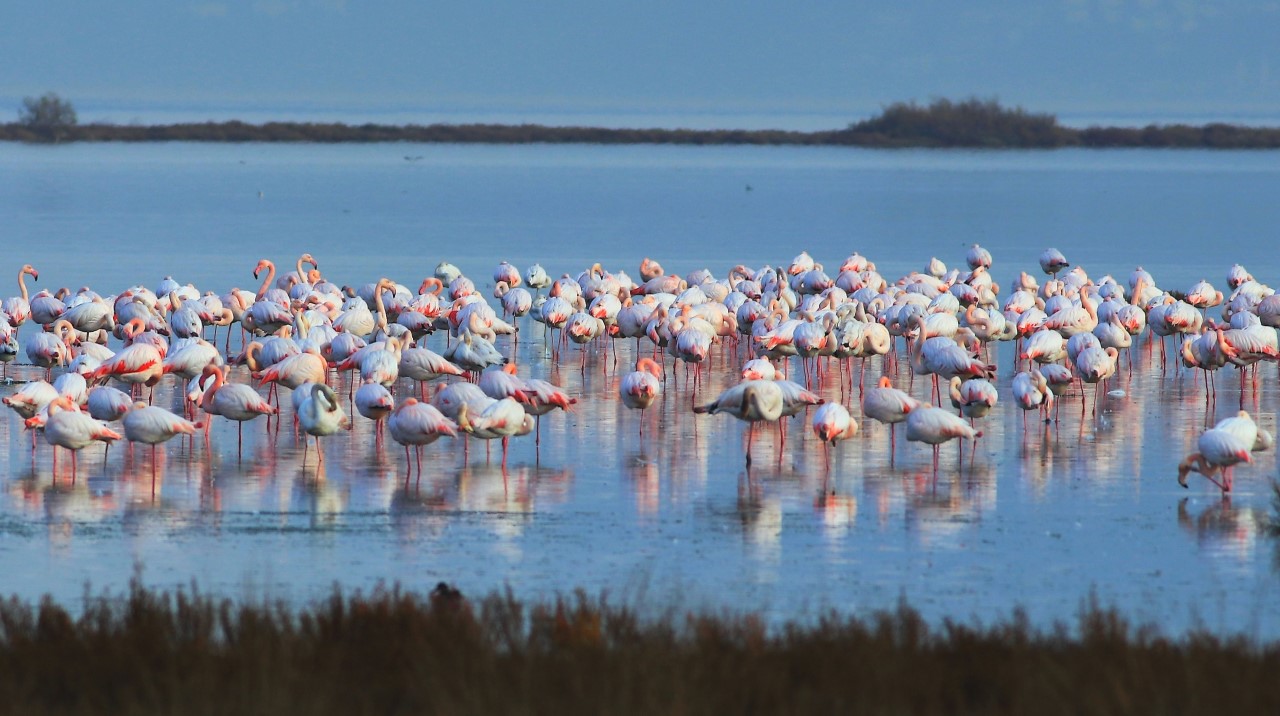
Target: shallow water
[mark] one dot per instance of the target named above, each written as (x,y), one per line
(1035,517)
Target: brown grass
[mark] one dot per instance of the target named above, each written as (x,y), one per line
(396,652)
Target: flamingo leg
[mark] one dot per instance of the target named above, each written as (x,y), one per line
(893,441)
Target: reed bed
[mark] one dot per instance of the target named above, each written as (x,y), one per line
(398,652)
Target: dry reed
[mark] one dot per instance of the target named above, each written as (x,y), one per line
(398,652)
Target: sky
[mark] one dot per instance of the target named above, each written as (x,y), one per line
(651,62)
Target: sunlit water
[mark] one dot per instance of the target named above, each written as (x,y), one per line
(1038,518)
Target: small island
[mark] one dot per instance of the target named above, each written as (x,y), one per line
(967,124)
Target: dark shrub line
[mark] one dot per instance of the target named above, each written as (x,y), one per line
(393,651)
(970,123)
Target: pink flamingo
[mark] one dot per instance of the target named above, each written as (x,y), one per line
(233,401)
(888,405)
(69,428)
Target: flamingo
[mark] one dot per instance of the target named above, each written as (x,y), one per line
(1203,295)
(1220,448)
(474,353)
(107,403)
(1095,365)
(189,360)
(450,399)
(47,350)
(1074,319)
(974,398)
(978,257)
(152,425)
(418,424)
(1045,346)
(374,402)
(832,422)
(650,269)
(935,426)
(1052,261)
(18,308)
(233,401)
(305,367)
(639,388)
(321,414)
(751,401)
(506,273)
(536,277)
(1031,392)
(516,301)
(89,316)
(941,356)
(424,365)
(8,343)
(1113,334)
(500,382)
(888,405)
(759,369)
(67,427)
(137,364)
(74,386)
(47,307)
(298,274)
(542,397)
(501,419)
(31,398)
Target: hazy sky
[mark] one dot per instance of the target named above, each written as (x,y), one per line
(532,58)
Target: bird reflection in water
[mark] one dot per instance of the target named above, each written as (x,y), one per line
(941,509)
(1222,527)
(324,501)
(837,513)
(642,471)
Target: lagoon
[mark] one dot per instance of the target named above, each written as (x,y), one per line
(1037,519)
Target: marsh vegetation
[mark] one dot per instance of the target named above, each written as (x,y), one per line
(394,651)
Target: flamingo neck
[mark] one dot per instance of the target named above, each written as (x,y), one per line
(266,282)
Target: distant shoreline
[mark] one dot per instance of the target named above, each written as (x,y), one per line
(943,124)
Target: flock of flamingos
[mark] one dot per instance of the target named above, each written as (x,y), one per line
(784,323)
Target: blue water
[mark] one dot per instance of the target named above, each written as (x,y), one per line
(1035,520)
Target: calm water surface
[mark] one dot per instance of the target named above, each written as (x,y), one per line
(1035,518)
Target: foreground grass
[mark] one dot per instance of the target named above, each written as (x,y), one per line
(396,652)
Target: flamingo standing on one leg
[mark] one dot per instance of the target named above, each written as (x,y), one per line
(639,388)
(751,401)
(832,422)
(935,426)
(888,405)
(152,425)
